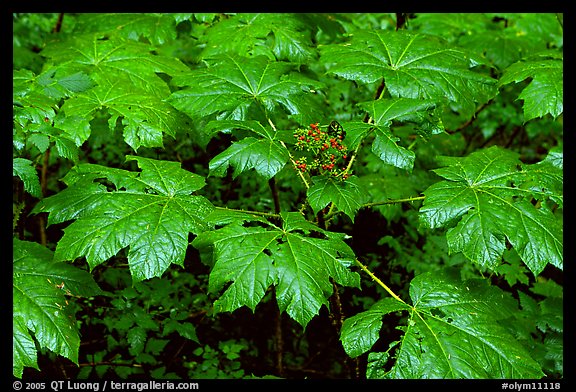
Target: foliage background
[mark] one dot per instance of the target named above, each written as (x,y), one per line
(88,91)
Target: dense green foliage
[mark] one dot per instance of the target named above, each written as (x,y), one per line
(288,195)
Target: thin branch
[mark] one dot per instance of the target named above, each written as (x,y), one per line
(382,284)
(266,214)
(393,201)
(331,213)
(107,363)
(275,195)
(279,339)
(291,158)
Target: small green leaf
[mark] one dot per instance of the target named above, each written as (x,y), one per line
(361,331)
(383,112)
(266,156)
(24,169)
(347,195)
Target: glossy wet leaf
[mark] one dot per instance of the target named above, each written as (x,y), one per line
(493,197)
(262,152)
(152,212)
(158,28)
(249,259)
(25,170)
(454,330)
(230,87)
(545,92)
(249,34)
(41,311)
(347,196)
(412,66)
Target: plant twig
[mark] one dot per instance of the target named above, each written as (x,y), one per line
(275,195)
(44,187)
(279,339)
(291,158)
(382,284)
(266,214)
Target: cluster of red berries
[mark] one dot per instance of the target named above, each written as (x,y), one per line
(326,152)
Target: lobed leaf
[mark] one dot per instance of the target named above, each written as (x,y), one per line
(110,60)
(24,169)
(266,156)
(40,309)
(347,195)
(146,118)
(276,36)
(383,112)
(152,212)
(489,195)
(544,94)
(158,28)
(231,86)
(249,259)
(412,65)
(454,330)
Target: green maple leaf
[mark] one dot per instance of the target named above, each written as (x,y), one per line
(114,60)
(489,194)
(413,66)
(262,152)
(158,28)
(128,85)
(247,260)
(347,195)
(146,118)
(454,330)
(545,92)
(230,87)
(40,309)
(280,36)
(152,212)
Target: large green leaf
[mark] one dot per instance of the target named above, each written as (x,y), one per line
(279,36)
(249,259)
(128,85)
(153,212)
(545,92)
(494,197)
(111,60)
(454,330)
(40,307)
(158,28)
(412,66)
(232,86)
(146,117)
